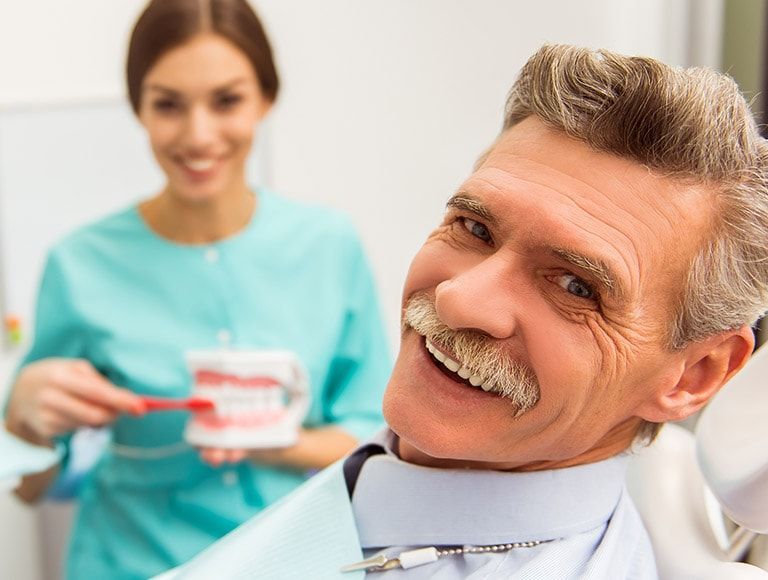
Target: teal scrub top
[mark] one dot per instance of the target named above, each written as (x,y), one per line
(132,303)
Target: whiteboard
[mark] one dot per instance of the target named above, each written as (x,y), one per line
(62,166)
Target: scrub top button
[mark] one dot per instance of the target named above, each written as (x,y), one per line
(212,255)
(224,336)
(230,478)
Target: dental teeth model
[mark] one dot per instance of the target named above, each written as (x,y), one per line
(455,367)
(259,397)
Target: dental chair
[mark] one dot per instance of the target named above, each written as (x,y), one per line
(683,484)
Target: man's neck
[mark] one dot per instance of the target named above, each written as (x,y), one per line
(616,441)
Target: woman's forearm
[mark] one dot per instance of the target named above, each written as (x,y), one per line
(315,449)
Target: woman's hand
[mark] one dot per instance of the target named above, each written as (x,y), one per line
(218,456)
(315,449)
(55,396)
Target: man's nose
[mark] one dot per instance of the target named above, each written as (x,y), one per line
(200,128)
(480,299)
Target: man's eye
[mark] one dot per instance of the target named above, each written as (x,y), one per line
(576,286)
(477,229)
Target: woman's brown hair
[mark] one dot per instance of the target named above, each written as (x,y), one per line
(166,24)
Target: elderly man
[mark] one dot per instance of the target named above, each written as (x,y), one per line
(596,276)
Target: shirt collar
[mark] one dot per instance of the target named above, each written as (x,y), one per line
(399,503)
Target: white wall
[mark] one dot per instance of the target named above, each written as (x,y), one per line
(385,103)
(53,51)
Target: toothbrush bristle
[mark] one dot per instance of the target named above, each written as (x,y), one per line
(200,404)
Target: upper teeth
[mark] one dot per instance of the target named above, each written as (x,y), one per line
(199,164)
(455,367)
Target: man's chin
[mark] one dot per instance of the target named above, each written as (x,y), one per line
(425,439)
(437,448)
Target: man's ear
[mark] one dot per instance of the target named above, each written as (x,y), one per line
(706,367)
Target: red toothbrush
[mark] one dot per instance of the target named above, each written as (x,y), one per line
(165,404)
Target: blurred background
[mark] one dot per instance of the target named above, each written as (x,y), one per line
(385,106)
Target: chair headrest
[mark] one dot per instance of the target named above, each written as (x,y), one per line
(732,445)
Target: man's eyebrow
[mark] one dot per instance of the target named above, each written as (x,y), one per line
(596,267)
(466,202)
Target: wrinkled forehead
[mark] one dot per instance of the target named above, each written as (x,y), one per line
(547,190)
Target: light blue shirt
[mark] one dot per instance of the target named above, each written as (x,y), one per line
(132,303)
(583,514)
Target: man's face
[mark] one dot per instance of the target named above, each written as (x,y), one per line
(553,277)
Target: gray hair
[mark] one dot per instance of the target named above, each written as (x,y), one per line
(692,124)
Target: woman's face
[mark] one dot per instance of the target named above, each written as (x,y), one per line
(200,104)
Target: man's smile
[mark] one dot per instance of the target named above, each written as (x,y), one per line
(456,370)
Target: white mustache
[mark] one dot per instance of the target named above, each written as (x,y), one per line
(474,350)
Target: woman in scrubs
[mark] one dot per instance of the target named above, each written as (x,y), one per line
(206,263)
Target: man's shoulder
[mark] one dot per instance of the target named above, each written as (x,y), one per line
(625,550)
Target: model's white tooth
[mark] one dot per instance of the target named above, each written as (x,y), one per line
(464,373)
(430,348)
(475,380)
(439,355)
(452,365)
(486,386)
